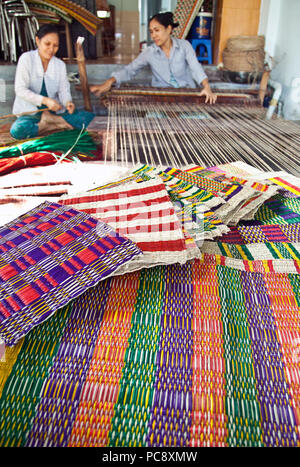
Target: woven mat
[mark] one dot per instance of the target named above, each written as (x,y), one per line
(183,355)
(273,234)
(185,13)
(194,206)
(214,201)
(243,197)
(201,354)
(142,212)
(49,256)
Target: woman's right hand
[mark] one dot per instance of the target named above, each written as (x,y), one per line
(52,104)
(99,89)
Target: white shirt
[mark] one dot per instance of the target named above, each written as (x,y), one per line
(29,79)
(182,65)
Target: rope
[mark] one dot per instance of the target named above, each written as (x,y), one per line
(179,134)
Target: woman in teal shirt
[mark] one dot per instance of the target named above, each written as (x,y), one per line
(41,82)
(173,61)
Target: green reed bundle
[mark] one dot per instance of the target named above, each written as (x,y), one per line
(69,141)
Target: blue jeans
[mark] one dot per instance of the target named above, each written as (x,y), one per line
(27,125)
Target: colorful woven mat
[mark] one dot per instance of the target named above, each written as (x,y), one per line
(243,196)
(254,251)
(230,199)
(211,199)
(238,168)
(242,234)
(142,212)
(281,209)
(283,179)
(201,354)
(49,256)
(183,355)
(88,20)
(275,236)
(278,220)
(286,185)
(193,205)
(185,13)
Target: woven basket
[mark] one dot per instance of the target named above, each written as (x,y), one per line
(251,61)
(245,43)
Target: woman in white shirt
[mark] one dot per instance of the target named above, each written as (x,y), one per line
(173,61)
(41,82)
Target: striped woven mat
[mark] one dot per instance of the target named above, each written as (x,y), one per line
(184,355)
(144,213)
(49,256)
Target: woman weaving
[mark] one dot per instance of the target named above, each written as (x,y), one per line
(41,83)
(173,61)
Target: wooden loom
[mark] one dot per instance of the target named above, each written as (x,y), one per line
(175,127)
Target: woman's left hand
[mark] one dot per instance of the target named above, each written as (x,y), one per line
(209,95)
(70,106)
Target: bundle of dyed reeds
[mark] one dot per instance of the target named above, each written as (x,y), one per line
(76,142)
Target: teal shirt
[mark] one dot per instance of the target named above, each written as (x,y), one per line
(44,93)
(173,81)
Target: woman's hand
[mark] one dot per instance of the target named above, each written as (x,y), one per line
(70,106)
(99,89)
(207,92)
(209,95)
(52,104)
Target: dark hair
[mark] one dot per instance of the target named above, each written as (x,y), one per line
(46,29)
(165,19)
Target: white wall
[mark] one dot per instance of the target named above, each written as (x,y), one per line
(269,23)
(168,5)
(280,23)
(287,47)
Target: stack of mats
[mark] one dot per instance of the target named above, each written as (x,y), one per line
(68,10)
(196,345)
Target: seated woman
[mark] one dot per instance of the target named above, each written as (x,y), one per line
(41,82)
(173,61)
